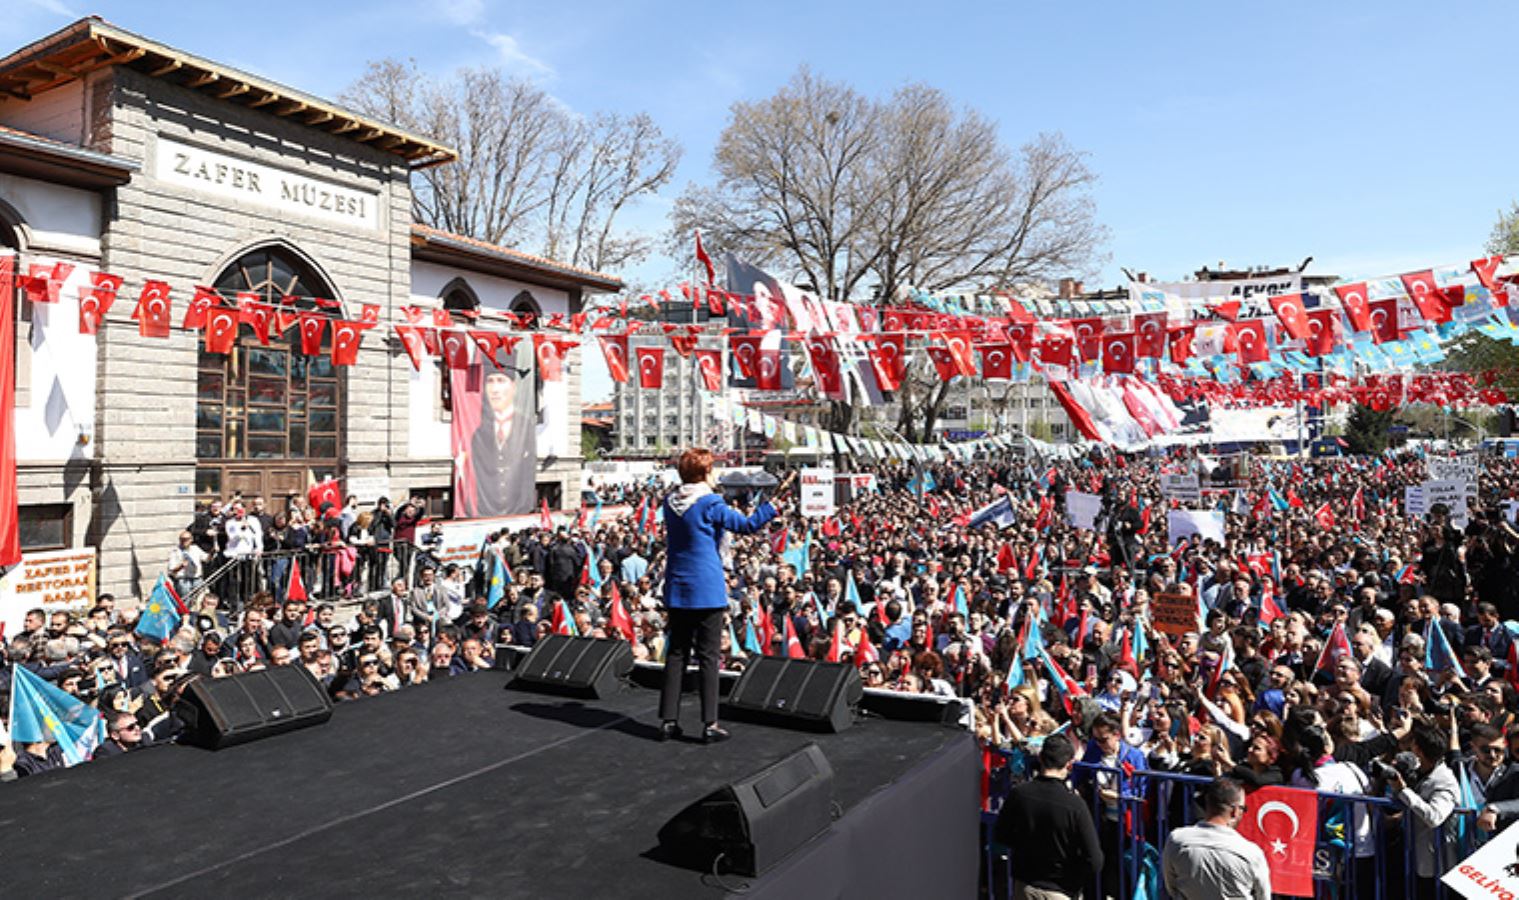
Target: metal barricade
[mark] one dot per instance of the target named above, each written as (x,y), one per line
(328,573)
(1133,835)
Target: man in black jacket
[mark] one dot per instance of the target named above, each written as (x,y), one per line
(1049,829)
(564,564)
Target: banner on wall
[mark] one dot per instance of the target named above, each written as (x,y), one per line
(493,434)
(52,580)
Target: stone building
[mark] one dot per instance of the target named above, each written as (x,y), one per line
(121,154)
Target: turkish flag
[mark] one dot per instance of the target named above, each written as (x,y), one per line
(95,301)
(487,344)
(1289,308)
(997,361)
(312,326)
(10,515)
(1383,318)
(44,284)
(550,358)
(1324,516)
(1118,353)
(1088,334)
(220,327)
(1181,343)
(745,350)
(442,319)
(1426,296)
(1284,823)
(369,315)
(615,348)
(153,310)
(1150,330)
(944,362)
(651,367)
(888,359)
(199,306)
(959,344)
(253,313)
(323,493)
(410,339)
(825,366)
(456,349)
(297,588)
(767,368)
(1357,305)
(1322,327)
(346,338)
(1054,350)
(710,364)
(286,316)
(683,344)
(1020,338)
(1250,340)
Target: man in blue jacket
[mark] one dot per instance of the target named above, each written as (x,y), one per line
(696,593)
(1111,790)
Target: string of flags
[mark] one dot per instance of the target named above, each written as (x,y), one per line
(1350,341)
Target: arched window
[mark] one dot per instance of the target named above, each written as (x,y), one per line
(457,297)
(268,418)
(273,273)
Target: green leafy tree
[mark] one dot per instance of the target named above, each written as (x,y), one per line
(1366,429)
(1477,352)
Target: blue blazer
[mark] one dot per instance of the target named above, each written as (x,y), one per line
(693,568)
(1128,785)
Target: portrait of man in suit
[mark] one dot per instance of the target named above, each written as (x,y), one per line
(502,451)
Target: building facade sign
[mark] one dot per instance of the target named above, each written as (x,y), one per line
(242,181)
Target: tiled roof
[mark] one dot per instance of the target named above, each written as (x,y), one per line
(428,235)
(92,43)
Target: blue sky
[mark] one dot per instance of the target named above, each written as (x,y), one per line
(1374,137)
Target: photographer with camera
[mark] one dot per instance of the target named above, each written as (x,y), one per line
(1430,793)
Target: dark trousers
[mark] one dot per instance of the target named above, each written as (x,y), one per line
(699,631)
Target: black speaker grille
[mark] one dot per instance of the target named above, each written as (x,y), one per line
(777,784)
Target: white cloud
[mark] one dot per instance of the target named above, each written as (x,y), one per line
(463,12)
(513,57)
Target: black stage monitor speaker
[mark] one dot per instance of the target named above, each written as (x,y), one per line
(576,667)
(221,712)
(750,825)
(798,693)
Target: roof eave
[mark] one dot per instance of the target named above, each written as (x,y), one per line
(50,62)
(44,160)
(441,249)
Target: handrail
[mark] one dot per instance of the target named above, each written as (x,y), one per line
(1144,821)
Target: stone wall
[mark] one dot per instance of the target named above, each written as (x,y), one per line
(145,472)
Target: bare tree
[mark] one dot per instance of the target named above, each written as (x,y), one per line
(601,166)
(795,185)
(530,172)
(833,189)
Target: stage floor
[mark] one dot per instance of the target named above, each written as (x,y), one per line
(454,788)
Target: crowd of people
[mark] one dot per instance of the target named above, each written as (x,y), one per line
(1339,644)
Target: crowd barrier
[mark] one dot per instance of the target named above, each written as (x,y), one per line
(329,573)
(1136,837)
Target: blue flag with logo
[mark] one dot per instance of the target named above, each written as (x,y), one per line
(852,591)
(799,557)
(41,712)
(160,618)
(497,587)
(1438,655)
